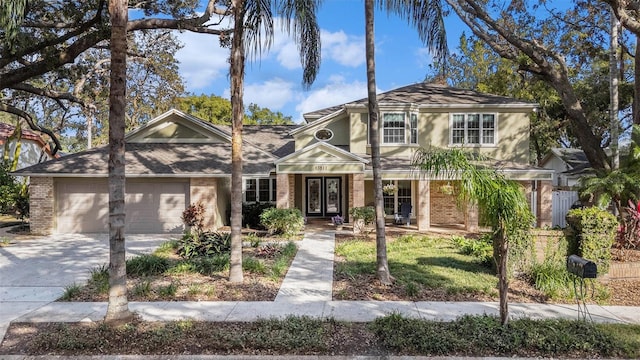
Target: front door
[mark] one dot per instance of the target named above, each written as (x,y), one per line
(324,196)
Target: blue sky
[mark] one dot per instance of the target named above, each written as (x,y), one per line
(275,80)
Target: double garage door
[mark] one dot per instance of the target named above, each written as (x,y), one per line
(82,206)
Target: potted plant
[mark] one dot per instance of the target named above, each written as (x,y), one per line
(338,221)
(389,189)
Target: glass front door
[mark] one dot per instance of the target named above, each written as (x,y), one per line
(324,196)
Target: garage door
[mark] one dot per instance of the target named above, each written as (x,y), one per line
(82,205)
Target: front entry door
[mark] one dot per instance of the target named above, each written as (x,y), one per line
(324,196)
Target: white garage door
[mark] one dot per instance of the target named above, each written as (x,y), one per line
(82,206)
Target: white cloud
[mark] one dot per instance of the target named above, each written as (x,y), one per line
(346,50)
(336,92)
(202,60)
(273,94)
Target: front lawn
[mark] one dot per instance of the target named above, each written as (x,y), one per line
(165,276)
(424,267)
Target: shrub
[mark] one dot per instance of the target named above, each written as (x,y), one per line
(147,265)
(362,216)
(590,233)
(14,197)
(193,217)
(552,279)
(211,265)
(481,248)
(287,222)
(207,244)
(251,214)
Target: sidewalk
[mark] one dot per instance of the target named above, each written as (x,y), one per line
(307,291)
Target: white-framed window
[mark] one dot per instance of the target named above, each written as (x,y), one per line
(260,190)
(413,127)
(473,129)
(396,128)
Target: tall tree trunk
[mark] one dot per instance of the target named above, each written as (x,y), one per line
(613,92)
(118,308)
(237,110)
(382,266)
(503,276)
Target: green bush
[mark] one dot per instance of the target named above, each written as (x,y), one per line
(14,197)
(590,233)
(287,222)
(552,279)
(365,213)
(251,214)
(147,265)
(207,244)
(481,248)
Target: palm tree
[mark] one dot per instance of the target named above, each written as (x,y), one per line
(118,308)
(253,31)
(502,201)
(427,17)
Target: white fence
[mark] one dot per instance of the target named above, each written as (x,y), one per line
(562,201)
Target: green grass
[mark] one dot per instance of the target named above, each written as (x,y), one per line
(70,291)
(420,261)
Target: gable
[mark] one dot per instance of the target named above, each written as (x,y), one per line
(321,158)
(177,127)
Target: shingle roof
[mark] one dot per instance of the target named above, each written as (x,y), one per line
(272,138)
(158,159)
(428,94)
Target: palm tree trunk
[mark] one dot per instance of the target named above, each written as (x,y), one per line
(503,280)
(237,110)
(118,308)
(382,266)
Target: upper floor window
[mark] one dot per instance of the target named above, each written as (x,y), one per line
(473,129)
(260,190)
(397,128)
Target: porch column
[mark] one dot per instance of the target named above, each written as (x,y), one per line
(282,191)
(357,190)
(471,218)
(423,205)
(41,205)
(544,199)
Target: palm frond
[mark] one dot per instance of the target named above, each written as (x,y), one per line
(258,30)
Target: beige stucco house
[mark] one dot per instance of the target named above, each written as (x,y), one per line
(321,167)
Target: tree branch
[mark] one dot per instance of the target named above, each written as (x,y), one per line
(23,114)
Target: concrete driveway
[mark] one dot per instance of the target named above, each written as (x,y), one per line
(35,271)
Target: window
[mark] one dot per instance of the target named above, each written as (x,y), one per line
(473,129)
(260,190)
(393,202)
(393,128)
(414,129)
(324,134)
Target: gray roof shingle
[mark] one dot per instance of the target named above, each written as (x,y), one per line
(158,159)
(428,94)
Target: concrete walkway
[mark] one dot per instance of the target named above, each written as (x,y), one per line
(306,290)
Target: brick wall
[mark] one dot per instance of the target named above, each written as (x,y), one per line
(545,200)
(283,191)
(444,209)
(205,191)
(41,203)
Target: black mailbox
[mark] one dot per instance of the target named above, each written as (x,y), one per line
(582,267)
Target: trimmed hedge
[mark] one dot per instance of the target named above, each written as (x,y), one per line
(287,222)
(590,233)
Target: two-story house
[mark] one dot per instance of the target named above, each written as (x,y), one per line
(321,167)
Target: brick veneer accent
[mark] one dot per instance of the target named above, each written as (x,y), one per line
(444,208)
(357,189)
(284,192)
(205,191)
(41,205)
(471,218)
(544,200)
(423,211)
